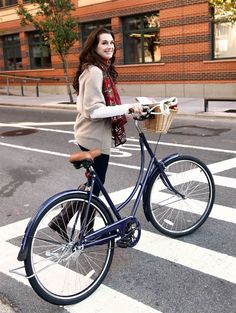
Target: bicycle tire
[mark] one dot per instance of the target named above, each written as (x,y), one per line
(169,213)
(58,274)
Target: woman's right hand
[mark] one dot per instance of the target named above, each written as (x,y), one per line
(136,108)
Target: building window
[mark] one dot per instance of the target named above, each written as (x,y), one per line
(141,38)
(12,52)
(86,28)
(7,3)
(224,40)
(39,52)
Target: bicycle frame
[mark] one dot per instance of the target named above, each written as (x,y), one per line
(121,223)
(142,179)
(141,184)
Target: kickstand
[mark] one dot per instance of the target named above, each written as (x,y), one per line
(17,272)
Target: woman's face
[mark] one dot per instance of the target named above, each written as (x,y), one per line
(106,46)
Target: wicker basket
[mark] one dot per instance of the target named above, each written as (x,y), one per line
(158,122)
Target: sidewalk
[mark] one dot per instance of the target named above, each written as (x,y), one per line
(187,106)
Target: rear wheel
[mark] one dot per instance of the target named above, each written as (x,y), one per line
(61,272)
(172,214)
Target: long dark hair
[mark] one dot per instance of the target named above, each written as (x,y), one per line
(89,56)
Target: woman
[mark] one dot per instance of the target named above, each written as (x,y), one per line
(101,116)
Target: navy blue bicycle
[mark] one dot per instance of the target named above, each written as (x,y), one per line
(67,265)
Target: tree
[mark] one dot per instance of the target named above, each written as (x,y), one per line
(59,29)
(224,10)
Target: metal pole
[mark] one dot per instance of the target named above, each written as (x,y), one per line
(37,89)
(22,89)
(206,109)
(8,91)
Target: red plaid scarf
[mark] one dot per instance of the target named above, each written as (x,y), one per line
(112,98)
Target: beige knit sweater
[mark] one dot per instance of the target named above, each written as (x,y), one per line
(92,133)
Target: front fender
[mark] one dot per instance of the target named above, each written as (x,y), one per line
(25,241)
(155,170)
(169,157)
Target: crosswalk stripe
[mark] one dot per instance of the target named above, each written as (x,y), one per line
(214,168)
(205,260)
(219,212)
(225,181)
(222,165)
(223,213)
(201,259)
(107,299)
(216,264)
(26,125)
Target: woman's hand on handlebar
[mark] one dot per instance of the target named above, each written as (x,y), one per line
(139,112)
(135,108)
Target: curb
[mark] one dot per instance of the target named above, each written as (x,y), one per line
(207,115)
(37,106)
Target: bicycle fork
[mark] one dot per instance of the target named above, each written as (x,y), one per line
(169,186)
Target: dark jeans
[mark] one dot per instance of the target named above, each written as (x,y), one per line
(100,166)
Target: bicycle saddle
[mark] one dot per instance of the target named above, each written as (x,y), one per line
(81,158)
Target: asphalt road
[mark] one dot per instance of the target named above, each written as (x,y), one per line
(194,274)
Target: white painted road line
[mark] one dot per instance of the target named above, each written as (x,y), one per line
(187,146)
(219,212)
(107,300)
(36,128)
(215,168)
(33,149)
(216,264)
(192,256)
(225,181)
(222,165)
(24,125)
(204,260)
(201,259)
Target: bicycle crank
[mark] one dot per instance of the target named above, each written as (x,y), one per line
(131,237)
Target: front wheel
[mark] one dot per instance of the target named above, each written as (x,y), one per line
(59,270)
(172,214)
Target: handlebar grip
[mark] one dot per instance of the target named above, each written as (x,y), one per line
(145,114)
(146,109)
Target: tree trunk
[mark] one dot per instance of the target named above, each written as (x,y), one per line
(64,62)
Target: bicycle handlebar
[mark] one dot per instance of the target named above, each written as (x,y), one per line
(149,108)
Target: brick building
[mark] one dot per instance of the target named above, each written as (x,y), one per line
(164,48)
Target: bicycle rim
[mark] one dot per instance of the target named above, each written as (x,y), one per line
(170,213)
(60,273)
